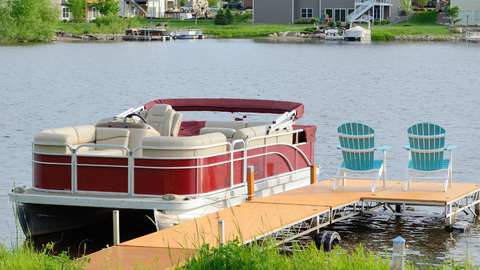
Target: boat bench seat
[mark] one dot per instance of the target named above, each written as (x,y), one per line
(83,135)
(241,130)
(193,146)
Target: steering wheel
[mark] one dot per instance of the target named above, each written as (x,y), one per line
(136,115)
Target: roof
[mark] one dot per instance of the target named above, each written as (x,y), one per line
(231,105)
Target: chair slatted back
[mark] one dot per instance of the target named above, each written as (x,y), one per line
(427,142)
(357,145)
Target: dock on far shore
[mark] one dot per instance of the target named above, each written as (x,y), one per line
(313,206)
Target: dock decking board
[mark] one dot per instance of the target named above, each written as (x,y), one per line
(264,215)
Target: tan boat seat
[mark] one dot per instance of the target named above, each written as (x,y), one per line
(192,146)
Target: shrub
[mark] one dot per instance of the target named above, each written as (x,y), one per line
(182,3)
(331,23)
(228,16)
(383,22)
(112,24)
(248,7)
(29,20)
(375,22)
(338,23)
(220,18)
(314,20)
(239,6)
(302,21)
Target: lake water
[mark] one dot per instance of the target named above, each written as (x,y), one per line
(389,86)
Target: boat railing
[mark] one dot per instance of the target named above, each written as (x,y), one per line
(131,157)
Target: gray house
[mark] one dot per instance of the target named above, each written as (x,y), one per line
(287,11)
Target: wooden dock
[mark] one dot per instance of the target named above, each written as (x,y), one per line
(313,206)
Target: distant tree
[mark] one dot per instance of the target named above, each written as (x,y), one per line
(220,18)
(420,3)
(228,16)
(105,7)
(77,10)
(28,20)
(182,3)
(407,7)
(454,12)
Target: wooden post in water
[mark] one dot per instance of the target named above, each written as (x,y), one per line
(398,257)
(251,183)
(313,174)
(116,227)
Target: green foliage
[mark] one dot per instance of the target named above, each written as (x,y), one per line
(29,20)
(420,3)
(228,16)
(25,257)
(243,18)
(77,10)
(182,3)
(266,256)
(314,20)
(112,24)
(220,18)
(223,17)
(105,7)
(407,7)
(454,13)
(383,22)
(375,22)
(331,23)
(302,21)
(338,23)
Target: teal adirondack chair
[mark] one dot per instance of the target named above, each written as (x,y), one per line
(425,154)
(357,145)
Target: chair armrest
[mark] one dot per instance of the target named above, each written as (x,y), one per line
(406,147)
(450,147)
(339,146)
(383,148)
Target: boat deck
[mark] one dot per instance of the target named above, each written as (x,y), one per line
(268,215)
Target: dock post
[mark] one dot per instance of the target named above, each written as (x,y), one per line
(313,174)
(221,232)
(448,216)
(116,227)
(398,256)
(251,183)
(477,206)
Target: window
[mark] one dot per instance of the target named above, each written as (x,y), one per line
(65,13)
(461,15)
(477,15)
(329,12)
(350,11)
(307,12)
(469,14)
(339,14)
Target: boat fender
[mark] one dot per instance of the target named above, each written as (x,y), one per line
(327,239)
(169,197)
(459,226)
(18,190)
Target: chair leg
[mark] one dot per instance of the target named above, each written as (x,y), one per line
(344,173)
(445,185)
(384,176)
(337,180)
(407,180)
(372,189)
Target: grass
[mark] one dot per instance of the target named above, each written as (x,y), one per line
(421,23)
(26,257)
(266,256)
